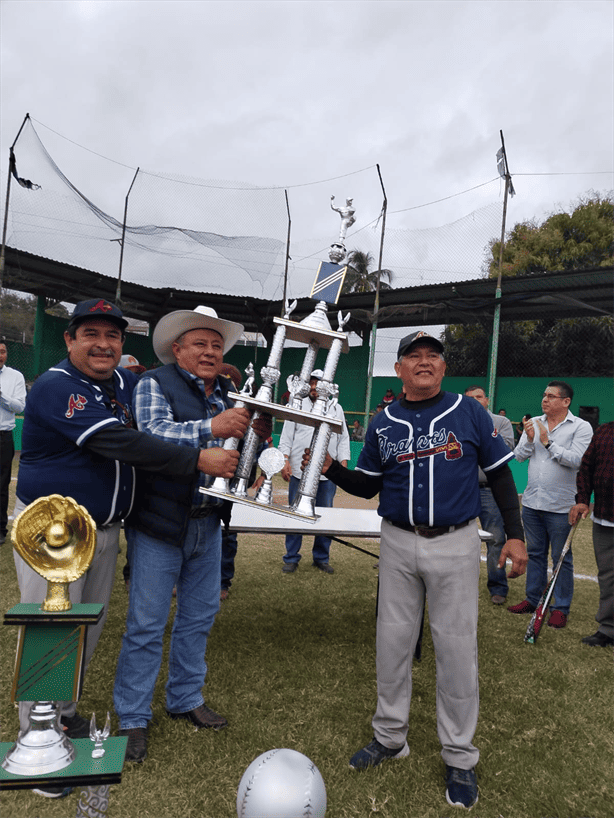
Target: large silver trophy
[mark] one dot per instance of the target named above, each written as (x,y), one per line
(316,333)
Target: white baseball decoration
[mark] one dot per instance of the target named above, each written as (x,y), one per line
(281,784)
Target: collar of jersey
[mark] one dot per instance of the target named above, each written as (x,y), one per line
(72,370)
(422,404)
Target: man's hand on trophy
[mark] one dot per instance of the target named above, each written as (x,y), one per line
(231,423)
(307,457)
(218,462)
(263,426)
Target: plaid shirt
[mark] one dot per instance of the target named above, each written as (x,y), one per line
(597,473)
(154,415)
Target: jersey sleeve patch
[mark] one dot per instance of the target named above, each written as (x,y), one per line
(76,403)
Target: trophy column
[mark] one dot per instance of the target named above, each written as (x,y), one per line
(315,332)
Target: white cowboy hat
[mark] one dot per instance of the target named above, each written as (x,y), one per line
(169,328)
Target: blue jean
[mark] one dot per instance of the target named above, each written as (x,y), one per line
(544,530)
(156,567)
(321,545)
(491,520)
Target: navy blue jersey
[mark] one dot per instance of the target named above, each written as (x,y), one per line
(63,410)
(429,457)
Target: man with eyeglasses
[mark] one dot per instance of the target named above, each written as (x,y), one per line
(554,444)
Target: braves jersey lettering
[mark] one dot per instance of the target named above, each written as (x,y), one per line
(428,459)
(400,449)
(75,403)
(441,442)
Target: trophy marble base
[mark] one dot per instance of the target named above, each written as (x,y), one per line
(84,770)
(274,507)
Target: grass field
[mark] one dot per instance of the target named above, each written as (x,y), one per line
(291,664)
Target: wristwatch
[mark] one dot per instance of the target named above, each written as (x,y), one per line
(548,444)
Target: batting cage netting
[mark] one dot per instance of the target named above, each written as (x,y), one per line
(227,237)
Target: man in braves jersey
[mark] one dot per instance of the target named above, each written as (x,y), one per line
(78,441)
(422,455)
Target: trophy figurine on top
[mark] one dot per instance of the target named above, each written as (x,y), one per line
(314,331)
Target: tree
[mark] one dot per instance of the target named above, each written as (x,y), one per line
(568,347)
(18,315)
(360,278)
(564,241)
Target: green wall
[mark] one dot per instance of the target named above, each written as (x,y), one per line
(516,395)
(521,395)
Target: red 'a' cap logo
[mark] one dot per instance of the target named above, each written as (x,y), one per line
(102,306)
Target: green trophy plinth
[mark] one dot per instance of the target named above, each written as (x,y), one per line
(50,651)
(57,538)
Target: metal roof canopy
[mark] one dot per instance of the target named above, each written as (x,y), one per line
(574,294)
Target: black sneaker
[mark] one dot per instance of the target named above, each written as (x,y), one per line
(54,792)
(461,787)
(598,640)
(137,743)
(75,726)
(374,753)
(289,567)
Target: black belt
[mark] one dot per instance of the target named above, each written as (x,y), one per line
(6,432)
(429,531)
(201,513)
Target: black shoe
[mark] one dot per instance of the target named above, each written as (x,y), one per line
(598,640)
(461,787)
(324,566)
(137,743)
(75,726)
(202,716)
(374,753)
(54,792)
(289,567)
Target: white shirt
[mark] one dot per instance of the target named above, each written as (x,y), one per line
(552,472)
(296,437)
(12,397)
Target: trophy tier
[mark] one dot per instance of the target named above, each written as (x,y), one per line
(286,412)
(249,501)
(305,334)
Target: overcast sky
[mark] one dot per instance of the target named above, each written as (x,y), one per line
(290,93)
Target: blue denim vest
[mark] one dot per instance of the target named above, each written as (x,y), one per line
(162,504)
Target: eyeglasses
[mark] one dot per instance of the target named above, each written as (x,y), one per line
(550,396)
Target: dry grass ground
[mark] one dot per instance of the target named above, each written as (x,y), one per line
(291,664)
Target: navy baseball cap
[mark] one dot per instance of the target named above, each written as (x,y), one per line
(97,308)
(418,337)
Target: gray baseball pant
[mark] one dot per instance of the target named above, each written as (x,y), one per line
(94,586)
(445,570)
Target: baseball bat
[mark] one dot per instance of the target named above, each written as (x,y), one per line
(537,620)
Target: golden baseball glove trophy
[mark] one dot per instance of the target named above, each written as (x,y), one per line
(57,538)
